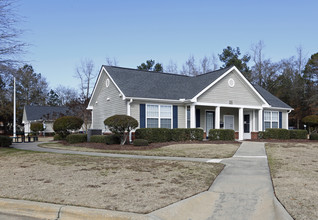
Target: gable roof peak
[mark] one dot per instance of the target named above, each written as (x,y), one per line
(147,71)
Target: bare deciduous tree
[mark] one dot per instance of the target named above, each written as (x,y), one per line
(85,72)
(66,94)
(214,62)
(190,68)
(205,64)
(171,67)
(10,45)
(300,59)
(111,61)
(258,58)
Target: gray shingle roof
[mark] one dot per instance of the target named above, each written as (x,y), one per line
(271,99)
(45,112)
(147,84)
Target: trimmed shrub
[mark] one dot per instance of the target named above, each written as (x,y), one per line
(121,125)
(297,134)
(64,125)
(76,138)
(5,141)
(154,135)
(57,137)
(98,139)
(36,127)
(140,142)
(261,135)
(313,136)
(180,134)
(277,133)
(185,134)
(112,139)
(222,134)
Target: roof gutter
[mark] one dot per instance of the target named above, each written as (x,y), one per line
(159,100)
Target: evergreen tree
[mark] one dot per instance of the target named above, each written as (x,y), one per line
(150,65)
(230,57)
(53,99)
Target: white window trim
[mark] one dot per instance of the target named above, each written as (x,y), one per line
(271,119)
(159,116)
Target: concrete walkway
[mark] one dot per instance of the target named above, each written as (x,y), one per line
(33,147)
(243,190)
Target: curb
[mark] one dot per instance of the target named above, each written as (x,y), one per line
(42,210)
(30,209)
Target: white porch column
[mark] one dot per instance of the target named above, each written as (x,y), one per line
(217,117)
(241,123)
(253,121)
(186,116)
(192,116)
(286,121)
(260,120)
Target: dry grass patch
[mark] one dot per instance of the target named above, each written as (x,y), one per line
(196,150)
(131,185)
(294,171)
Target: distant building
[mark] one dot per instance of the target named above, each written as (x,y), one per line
(43,114)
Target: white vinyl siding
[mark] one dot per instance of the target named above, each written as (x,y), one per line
(271,119)
(158,116)
(181,116)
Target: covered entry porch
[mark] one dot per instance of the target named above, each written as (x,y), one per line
(242,119)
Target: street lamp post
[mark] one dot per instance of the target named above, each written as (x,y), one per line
(14,110)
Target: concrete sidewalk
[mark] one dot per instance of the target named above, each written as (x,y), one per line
(243,190)
(33,147)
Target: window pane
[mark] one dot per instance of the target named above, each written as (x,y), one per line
(274,116)
(267,116)
(152,123)
(165,111)
(274,124)
(152,111)
(165,123)
(267,125)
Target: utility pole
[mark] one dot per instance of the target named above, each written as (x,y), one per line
(14,110)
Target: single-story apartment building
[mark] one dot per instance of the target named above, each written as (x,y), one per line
(43,114)
(222,99)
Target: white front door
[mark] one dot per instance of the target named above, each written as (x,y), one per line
(229,122)
(247,126)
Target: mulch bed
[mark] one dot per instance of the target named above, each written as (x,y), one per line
(130,147)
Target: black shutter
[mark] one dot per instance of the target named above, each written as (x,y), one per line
(281,120)
(175,116)
(142,115)
(197,118)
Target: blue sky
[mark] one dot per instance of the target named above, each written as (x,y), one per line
(62,32)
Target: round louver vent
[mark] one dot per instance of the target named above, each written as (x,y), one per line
(231,82)
(107,82)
